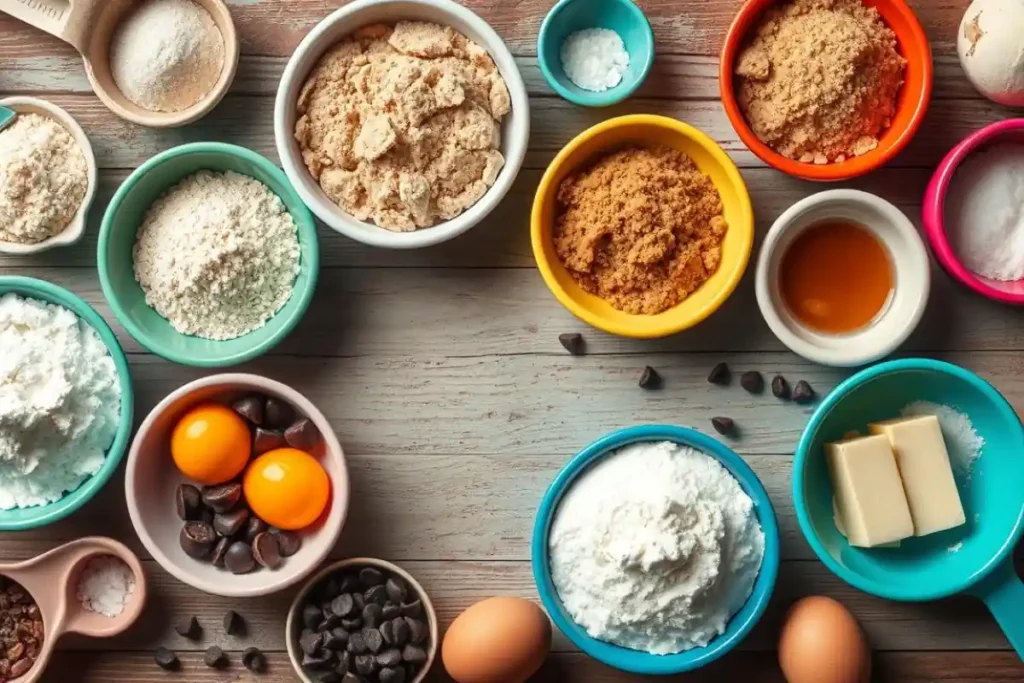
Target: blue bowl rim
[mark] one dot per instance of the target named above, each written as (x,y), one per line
(306,229)
(825,408)
(635,661)
(609,97)
(41,290)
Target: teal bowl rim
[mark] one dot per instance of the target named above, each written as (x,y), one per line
(824,409)
(41,290)
(306,229)
(609,97)
(636,661)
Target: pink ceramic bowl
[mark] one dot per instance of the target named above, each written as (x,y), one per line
(1011,130)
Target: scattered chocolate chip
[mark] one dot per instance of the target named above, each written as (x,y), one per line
(414,654)
(277,414)
(189,628)
(356,645)
(411,609)
(234,625)
(266,440)
(397,590)
(752,381)
(302,435)
(802,392)
(392,657)
(372,615)
(253,660)
(366,665)
(371,577)
(251,408)
(725,426)
(265,551)
(197,539)
(650,379)
(220,551)
(343,605)
(418,630)
(288,543)
(573,343)
(164,658)
(720,374)
(390,611)
(188,503)
(215,658)
(403,631)
(239,558)
(311,616)
(780,387)
(377,594)
(230,523)
(254,527)
(373,639)
(391,675)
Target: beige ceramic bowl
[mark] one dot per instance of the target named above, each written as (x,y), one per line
(293,626)
(151,479)
(76,228)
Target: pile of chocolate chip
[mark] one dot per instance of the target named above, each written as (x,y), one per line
(21,630)
(219,526)
(363,625)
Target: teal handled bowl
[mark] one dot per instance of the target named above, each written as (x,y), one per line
(118,232)
(741,623)
(975,558)
(23,519)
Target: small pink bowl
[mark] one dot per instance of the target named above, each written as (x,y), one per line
(933,213)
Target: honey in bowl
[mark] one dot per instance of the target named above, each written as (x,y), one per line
(836,277)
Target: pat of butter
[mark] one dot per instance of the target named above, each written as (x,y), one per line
(927,475)
(869,496)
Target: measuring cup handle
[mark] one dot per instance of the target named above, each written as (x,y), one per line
(69,20)
(1003,593)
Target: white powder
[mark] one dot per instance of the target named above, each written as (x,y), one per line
(60,401)
(655,548)
(217,255)
(167,55)
(106,586)
(963,443)
(985,212)
(595,59)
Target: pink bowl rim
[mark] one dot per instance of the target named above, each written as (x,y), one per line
(934,208)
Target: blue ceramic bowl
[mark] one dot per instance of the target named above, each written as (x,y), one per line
(621,16)
(742,622)
(23,519)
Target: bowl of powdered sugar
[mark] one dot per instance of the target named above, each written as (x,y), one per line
(655,550)
(207,256)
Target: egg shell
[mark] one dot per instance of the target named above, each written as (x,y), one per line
(498,640)
(821,642)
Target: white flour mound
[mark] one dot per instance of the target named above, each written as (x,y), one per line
(655,548)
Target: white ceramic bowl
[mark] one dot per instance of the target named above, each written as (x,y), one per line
(76,228)
(151,480)
(909,262)
(515,127)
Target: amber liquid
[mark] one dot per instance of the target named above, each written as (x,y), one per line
(836,277)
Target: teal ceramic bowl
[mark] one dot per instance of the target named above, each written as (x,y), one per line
(975,558)
(121,222)
(23,519)
(570,16)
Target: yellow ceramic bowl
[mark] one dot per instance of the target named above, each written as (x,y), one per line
(711,159)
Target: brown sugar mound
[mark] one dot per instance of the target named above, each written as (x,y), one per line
(819,80)
(640,228)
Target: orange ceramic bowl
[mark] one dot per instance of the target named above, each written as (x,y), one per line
(910,109)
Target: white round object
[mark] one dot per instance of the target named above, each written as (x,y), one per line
(990,43)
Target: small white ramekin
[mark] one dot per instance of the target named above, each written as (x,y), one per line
(515,127)
(909,262)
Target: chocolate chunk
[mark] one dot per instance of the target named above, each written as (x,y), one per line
(251,408)
(356,645)
(222,498)
(411,609)
(414,654)
(266,440)
(311,616)
(277,414)
(650,379)
(403,631)
(253,528)
(288,543)
(311,642)
(302,435)
(366,665)
(780,387)
(197,539)
(720,375)
(265,551)
(392,657)
(573,343)
(215,658)
(239,559)
(371,577)
(397,590)
(253,660)
(391,675)
(220,551)
(802,392)
(372,615)
(164,658)
(230,523)
(234,625)
(336,639)
(377,594)
(343,605)
(724,425)
(188,503)
(189,628)
(752,381)
(418,630)
(373,639)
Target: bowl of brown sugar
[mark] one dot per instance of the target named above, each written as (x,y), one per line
(642,226)
(826,89)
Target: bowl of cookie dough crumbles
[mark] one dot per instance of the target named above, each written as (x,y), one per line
(402,123)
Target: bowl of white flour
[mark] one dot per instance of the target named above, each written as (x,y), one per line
(655,550)
(65,403)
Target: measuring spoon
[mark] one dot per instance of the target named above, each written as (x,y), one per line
(52,581)
(87,25)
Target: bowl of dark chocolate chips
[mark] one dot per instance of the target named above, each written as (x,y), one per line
(224,521)
(362,620)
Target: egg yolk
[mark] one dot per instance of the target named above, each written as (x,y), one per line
(211,444)
(286,488)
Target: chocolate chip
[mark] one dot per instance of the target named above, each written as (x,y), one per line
(344,661)
(266,440)
(328,622)
(197,539)
(253,660)
(311,642)
(188,503)
(302,435)
(723,425)
(573,343)
(359,600)
(366,665)
(372,615)
(720,375)
(403,631)
(239,559)
(411,609)
(343,605)
(392,657)
(377,594)
(780,387)
(222,498)
(802,392)
(254,527)
(387,632)
(752,381)
(352,624)
(371,577)
(251,408)
(414,654)
(311,616)
(265,551)
(288,543)
(650,379)
(230,523)
(234,625)
(336,639)
(215,658)
(418,630)
(277,414)
(356,645)
(373,639)
(321,660)
(397,590)
(390,611)
(391,675)
(164,658)
(189,628)
(220,551)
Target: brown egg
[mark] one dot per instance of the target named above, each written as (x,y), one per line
(821,642)
(498,640)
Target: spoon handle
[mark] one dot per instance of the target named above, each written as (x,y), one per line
(6,117)
(69,20)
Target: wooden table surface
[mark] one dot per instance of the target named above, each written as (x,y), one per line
(442,374)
